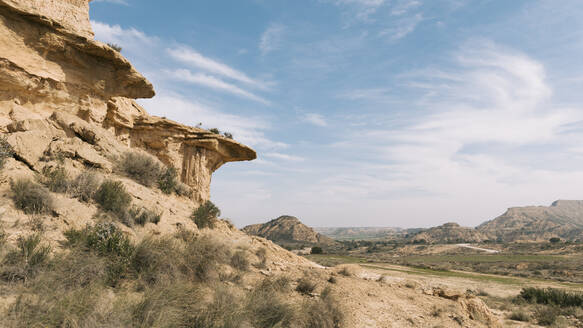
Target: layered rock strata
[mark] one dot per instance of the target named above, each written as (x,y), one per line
(61,90)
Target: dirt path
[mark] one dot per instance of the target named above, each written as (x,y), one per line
(491,251)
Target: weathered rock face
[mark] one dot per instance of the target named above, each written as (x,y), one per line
(56,82)
(288,230)
(564,218)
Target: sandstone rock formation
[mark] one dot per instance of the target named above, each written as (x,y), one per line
(62,91)
(449,233)
(564,218)
(289,231)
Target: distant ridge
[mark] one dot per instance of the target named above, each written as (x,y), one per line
(288,230)
(449,233)
(564,219)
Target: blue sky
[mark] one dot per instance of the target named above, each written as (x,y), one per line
(405,113)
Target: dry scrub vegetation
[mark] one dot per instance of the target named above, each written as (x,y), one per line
(186,280)
(99,277)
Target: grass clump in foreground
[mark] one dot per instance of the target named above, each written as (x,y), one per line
(31,197)
(206,215)
(173,281)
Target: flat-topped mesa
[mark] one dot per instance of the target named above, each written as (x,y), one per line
(58,84)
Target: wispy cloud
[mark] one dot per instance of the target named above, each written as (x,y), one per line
(213,83)
(403,7)
(271,38)
(402,27)
(315,119)
(129,37)
(284,157)
(248,130)
(194,58)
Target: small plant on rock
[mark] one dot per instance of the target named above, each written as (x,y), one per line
(205,215)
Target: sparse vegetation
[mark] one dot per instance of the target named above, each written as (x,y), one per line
(317,250)
(115,47)
(168,180)
(31,197)
(142,215)
(240,261)
(305,286)
(551,296)
(141,167)
(56,178)
(215,131)
(6,151)
(206,215)
(519,315)
(228,135)
(85,185)
(21,263)
(113,197)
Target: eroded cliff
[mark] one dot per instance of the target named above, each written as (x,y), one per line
(59,86)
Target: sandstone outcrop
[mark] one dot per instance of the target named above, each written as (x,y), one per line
(449,233)
(289,231)
(62,91)
(564,219)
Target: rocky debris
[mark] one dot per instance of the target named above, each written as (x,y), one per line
(564,219)
(288,230)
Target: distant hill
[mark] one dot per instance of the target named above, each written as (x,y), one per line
(448,233)
(358,233)
(564,218)
(288,231)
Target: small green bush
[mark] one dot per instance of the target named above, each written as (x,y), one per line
(551,296)
(6,151)
(305,286)
(142,215)
(168,181)
(239,261)
(115,47)
(203,256)
(113,197)
(141,167)
(30,197)
(182,189)
(24,261)
(215,131)
(56,178)
(85,186)
(317,250)
(205,215)
(106,239)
